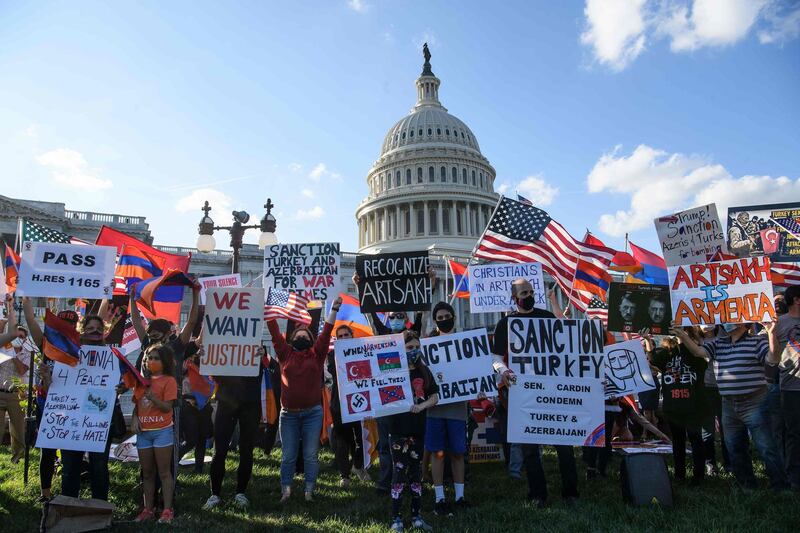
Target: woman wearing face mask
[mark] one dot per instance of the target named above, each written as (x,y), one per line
(154,439)
(301,358)
(407,434)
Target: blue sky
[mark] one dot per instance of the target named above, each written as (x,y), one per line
(606,113)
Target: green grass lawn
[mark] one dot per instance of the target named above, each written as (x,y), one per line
(499,504)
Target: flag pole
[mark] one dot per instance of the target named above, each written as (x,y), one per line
(474,248)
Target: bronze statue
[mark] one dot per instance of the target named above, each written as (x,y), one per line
(426,53)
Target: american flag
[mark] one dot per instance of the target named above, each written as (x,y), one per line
(522,233)
(597,309)
(285,304)
(789,224)
(785,274)
(33,232)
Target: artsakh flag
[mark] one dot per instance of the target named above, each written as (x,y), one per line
(358,370)
(389,360)
(62,342)
(392,393)
(460,279)
(147,290)
(12,268)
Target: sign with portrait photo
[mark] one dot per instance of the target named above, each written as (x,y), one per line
(636,306)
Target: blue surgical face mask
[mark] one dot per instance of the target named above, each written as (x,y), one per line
(413,356)
(397,324)
(729,328)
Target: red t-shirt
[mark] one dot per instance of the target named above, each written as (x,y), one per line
(165,388)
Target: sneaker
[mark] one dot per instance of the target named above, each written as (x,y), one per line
(286,493)
(166,516)
(145,515)
(211,502)
(462,504)
(361,474)
(344,483)
(240,500)
(418,523)
(441,508)
(397,525)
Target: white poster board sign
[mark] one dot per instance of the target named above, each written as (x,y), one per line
(691,236)
(560,367)
(490,286)
(80,401)
(309,269)
(58,270)
(373,378)
(461,364)
(222,282)
(627,369)
(233,327)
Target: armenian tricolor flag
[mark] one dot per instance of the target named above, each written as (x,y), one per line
(203,387)
(12,268)
(654,269)
(350,315)
(591,278)
(167,288)
(62,342)
(135,265)
(269,406)
(128,373)
(460,279)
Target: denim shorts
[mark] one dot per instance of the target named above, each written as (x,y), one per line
(445,434)
(155,438)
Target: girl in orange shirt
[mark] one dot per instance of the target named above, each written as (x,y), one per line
(154,437)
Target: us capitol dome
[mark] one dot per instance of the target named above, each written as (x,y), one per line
(431,188)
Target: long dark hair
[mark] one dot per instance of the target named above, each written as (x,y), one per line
(167,357)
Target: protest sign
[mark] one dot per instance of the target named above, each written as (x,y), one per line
(210,282)
(627,369)
(310,269)
(80,401)
(772,230)
(634,306)
(461,363)
(490,286)
(486,445)
(233,327)
(394,282)
(58,270)
(733,291)
(372,373)
(560,367)
(691,236)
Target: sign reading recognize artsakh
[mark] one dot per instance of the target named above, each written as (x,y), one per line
(393,282)
(735,291)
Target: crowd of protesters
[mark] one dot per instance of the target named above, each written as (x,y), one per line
(721,388)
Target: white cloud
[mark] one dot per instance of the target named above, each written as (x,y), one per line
(537,190)
(318,172)
(31,131)
(502,188)
(781,26)
(69,168)
(615,31)
(220,202)
(314,213)
(295,167)
(659,182)
(308,193)
(709,23)
(359,6)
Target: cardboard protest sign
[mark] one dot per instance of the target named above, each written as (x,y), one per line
(733,291)
(58,270)
(309,269)
(210,282)
(461,363)
(373,378)
(80,401)
(490,286)
(394,282)
(560,367)
(486,445)
(233,327)
(634,306)
(691,236)
(627,369)
(765,230)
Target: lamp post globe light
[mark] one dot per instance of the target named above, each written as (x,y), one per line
(206,228)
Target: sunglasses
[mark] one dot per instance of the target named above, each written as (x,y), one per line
(397,315)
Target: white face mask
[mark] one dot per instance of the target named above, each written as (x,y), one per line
(730,328)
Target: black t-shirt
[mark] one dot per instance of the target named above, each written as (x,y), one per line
(235,390)
(500,346)
(410,424)
(682,385)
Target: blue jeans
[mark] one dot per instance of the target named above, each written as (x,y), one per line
(743,414)
(515,460)
(384,454)
(295,426)
(772,411)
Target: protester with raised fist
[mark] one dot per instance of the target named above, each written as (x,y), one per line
(302,359)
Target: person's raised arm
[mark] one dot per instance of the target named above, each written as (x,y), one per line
(324,339)
(282,348)
(11,323)
(551,295)
(774,355)
(188,328)
(32,323)
(136,318)
(686,340)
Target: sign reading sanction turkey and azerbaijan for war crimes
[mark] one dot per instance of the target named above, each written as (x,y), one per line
(308,269)
(735,291)
(560,367)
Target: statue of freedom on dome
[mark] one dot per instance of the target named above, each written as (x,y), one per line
(426,53)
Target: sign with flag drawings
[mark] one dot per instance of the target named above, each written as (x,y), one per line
(560,367)
(232,329)
(491,286)
(372,373)
(461,363)
(394,282)
(735,291)
(627,369)
(310,269)
(691,236)
(80,401)
(635,306)
(224,281)
(60,270)
(765,230)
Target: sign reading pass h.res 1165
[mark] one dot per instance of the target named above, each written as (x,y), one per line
(233,326)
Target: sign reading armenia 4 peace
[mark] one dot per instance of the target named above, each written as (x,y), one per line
(560,367)
(461,363)
(372,373)
(59,270)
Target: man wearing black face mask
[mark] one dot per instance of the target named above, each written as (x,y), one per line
(522,294)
